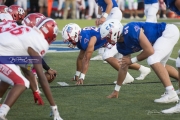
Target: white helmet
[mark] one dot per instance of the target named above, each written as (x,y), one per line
(111,30)
(70,33)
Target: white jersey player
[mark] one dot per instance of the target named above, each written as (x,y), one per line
(7,25)
(17,43)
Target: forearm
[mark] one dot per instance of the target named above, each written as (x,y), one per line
(108,8)
(85,65)
(45,66)
(79,64)
(99,11)
(143,55)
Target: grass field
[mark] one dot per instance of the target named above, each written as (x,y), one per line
(88,101)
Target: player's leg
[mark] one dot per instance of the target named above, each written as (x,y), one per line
(163,48)
(176,108)
(109,57)
(3,88)
(33,85)
(152,10)
(13,77)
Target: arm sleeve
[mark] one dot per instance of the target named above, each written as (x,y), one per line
(45,66)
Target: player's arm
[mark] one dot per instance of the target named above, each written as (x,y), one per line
(146,46)
(79,65)
(147,51)
(42,79)
(88,54)
(106,13)
(109,6)
(49,70)
(98,16)
(86,59)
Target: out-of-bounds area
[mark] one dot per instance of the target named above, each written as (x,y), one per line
(88,101)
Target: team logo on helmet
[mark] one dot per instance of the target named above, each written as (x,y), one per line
(21,11)
(69,29)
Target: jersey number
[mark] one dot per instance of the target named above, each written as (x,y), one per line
(19,30)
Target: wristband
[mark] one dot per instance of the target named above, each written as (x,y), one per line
(77,73)
(117,88)
(134,60)
(82,76)
(98,16)
(105,15)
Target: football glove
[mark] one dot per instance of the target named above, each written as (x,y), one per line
(37,98)
(55,113)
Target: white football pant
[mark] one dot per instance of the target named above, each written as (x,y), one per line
(11,74)
(164,45)
(150,11)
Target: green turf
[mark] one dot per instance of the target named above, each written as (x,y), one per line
(89,102)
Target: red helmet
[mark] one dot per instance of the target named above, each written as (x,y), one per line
(49,29)
(3,9)
(31,19)
(40,14)
(16,12)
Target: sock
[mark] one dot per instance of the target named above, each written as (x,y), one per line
(169,88)
(141,68)
(4,109)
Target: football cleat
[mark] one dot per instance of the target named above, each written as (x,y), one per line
(144,73)
(175,109)
(168,97)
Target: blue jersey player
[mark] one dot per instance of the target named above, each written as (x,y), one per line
(107,9)
(87,40)
(156,40)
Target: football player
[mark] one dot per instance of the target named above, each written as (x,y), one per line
(87,40)
(7,25)
(173,5)
(108,9)
(157,42)
(15,42)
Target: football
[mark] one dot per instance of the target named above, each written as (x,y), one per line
(49,77)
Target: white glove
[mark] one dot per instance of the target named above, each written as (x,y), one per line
(55,113)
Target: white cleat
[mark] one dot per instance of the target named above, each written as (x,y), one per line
(168,98)
(178,92)
(128,79)
(175,109)
(98,57)
(144,73)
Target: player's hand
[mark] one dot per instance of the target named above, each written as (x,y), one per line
(97,22)
(55,113)
(75,78)
(79,82)
(52,73)
(125,61)
(37,98)
(114,94)
(102,20)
